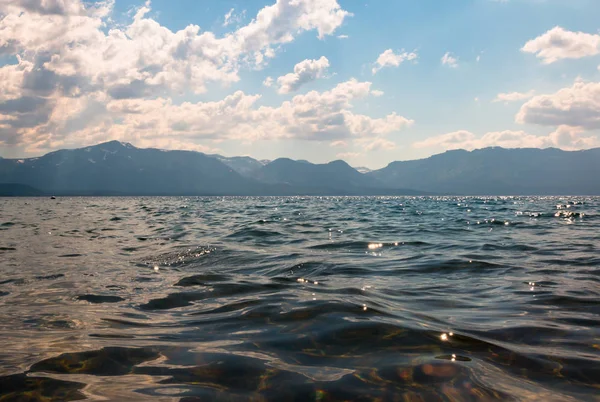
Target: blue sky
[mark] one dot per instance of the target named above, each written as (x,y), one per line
(517,73)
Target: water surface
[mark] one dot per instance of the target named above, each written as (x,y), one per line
(321,299)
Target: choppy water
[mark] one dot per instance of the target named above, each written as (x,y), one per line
(307,299)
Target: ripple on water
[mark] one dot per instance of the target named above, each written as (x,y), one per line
(21,387)
(300,298)
(97,299)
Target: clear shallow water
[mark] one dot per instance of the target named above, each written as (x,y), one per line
(324,298)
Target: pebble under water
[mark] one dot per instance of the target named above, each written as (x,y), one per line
(300,298)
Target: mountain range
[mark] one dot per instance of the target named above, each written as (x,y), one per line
(117,168)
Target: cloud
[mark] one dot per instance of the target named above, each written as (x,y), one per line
(232,18)
(513,96)
(449,60)
(377,93)
(338,144)
(576,106)
(48,7)
(280,22)
(373,144)
(558,44)
(347,155)
(320,116)
(69,52)
(145,58)
(304,72)
(343,36)
(390,59)
(453,140)
(564,138)
(268,82)
(227,18)
(12,78)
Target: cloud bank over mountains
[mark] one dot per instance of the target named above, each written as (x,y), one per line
(73,76)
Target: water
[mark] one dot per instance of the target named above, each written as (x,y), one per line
(312,299)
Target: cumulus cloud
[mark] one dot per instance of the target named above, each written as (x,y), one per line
(326,116)
(343,36)
(58,7)
(374,144)
(347,155)
(377,92)
(513,96)
(268,82)
(72,59)
(564,137)
(232,18)
(449,60)
(12,79)
(146,58)
(558,44)
(390,59)
(304,72)
(576,106)
(338,144)
(453,140)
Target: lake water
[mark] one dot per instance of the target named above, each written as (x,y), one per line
(307,299)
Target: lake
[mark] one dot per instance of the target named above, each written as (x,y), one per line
(300,298)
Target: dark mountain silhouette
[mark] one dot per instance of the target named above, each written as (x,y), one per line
(499,171)
(116,168)
(244,165)
(303,173)
(16,189)
(335,177)
(120,168)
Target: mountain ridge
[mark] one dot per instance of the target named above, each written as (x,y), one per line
(500,171)
(120,168)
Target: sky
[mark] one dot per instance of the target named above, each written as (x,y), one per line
(366,81)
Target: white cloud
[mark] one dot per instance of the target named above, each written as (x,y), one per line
(347,155)
(47,7)
(316,115)
(280,22)
(71,53)
(377,92)
(145,58)
(373,144)
(232,18)
(564,138)
(453,140)
(268,82)
(343,36)
(304,72)
(12,79)
(558,44)
(576,106)
(390,59)
(338,144)
(227,18)
(513,96)
(449,60)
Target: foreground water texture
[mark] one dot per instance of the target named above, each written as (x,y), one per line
(307,299)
